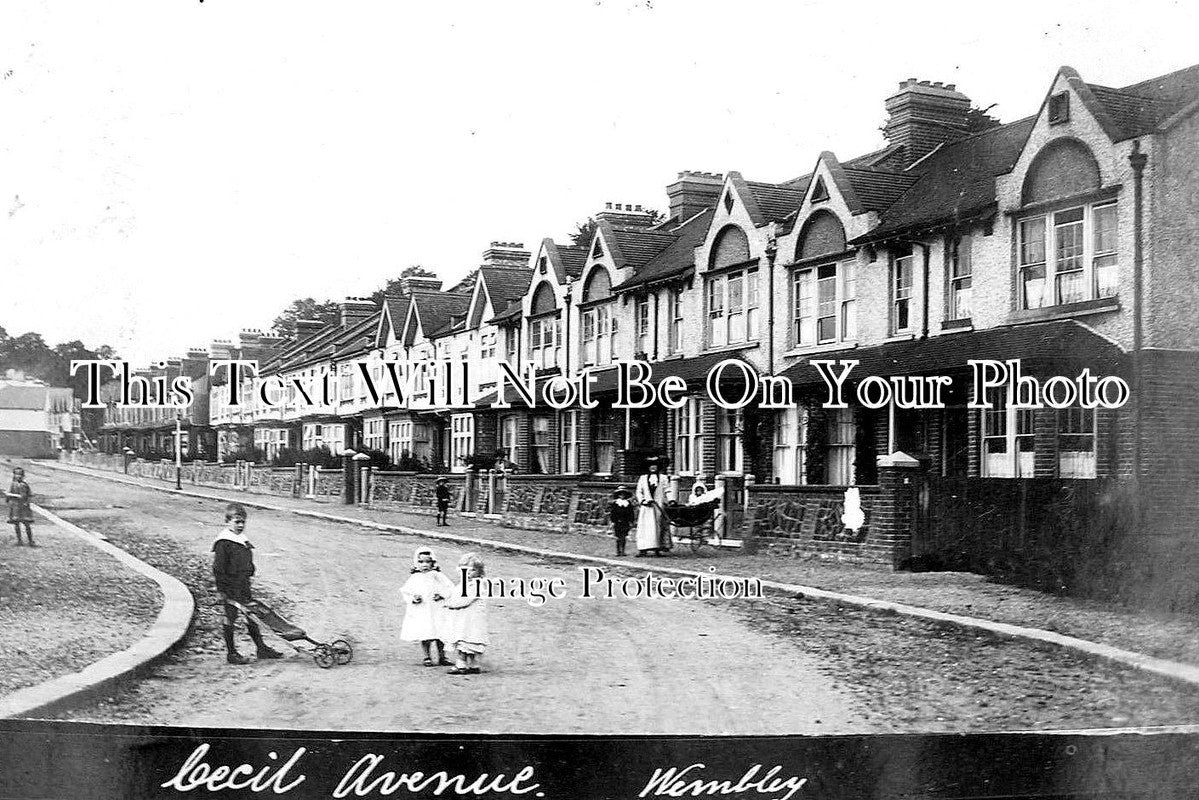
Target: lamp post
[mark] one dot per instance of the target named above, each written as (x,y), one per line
(179,450)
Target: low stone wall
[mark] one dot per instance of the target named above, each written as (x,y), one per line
(806,520)
(412,492)
(279,481)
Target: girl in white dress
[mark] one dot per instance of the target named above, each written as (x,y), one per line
(467,617)
(425,593)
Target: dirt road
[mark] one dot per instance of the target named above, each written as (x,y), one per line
(570,665)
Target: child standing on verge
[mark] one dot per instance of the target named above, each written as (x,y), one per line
(621,511)
(19,512)
(426,591)
(443,502)
(467,617)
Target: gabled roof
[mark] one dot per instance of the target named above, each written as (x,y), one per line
(957,181)
(1133,114)
(776,201)
(679,256)
(639,245)
(878,189)
(435,309)
(505,284)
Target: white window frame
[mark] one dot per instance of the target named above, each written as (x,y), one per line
(790,445)
(961,278)
(1042,247)
(568,432)
(732,300)
(509,431)
(1008,439)
(462,440)
(730,449)
(641,328)
(903,294)
(689,437)
(603,443)
(676,320)
(839,309)
(842,448)
(1077,447)
(540,446)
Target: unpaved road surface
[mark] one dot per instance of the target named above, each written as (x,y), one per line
(570,665)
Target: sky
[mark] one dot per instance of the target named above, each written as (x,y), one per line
(173,171)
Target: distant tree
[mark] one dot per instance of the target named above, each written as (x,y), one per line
(417,271)
(467,284)
(327,312)
(584,232)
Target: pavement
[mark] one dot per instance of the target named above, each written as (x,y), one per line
(475,536)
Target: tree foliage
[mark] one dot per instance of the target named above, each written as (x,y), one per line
(395,286)
(30,354)
(327,312)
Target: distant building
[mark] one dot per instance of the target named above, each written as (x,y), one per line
(37,420)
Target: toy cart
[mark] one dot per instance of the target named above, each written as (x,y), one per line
(326,655)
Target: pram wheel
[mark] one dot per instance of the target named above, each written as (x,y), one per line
(324,656)
(698,540)
(342,651)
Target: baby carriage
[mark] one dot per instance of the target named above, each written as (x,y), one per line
(698,518)
(325,655)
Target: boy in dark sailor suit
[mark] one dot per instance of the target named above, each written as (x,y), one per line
(233,566)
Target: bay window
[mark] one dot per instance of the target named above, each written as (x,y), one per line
(400,432)
(732,307)
(1067,256)
(545,341)
(511,344)
(824,304)
(598,335)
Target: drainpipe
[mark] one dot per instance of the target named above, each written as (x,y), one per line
(772,251)
(657,319)
(924,316)
(1138,161)
(566,330)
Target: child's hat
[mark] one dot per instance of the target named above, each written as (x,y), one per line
(621,490)
(441,480)
(420,551)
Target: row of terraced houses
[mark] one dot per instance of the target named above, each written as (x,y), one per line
(1067,239)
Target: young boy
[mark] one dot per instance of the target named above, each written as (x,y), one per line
(232,566)
(443,502)
(621,511)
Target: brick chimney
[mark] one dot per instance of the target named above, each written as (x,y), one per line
(625,215)
(220,348)
(307,327)
(416,284)
(924,114)
(195,363)
(693,192)
(355,310)
(506,254)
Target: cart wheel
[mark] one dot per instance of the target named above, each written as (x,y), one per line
(342,651)
(324,656)
(697,542)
